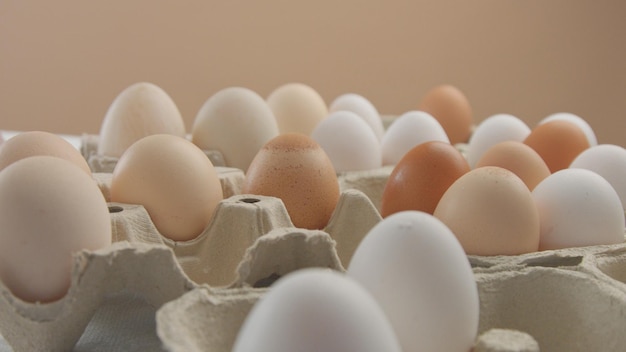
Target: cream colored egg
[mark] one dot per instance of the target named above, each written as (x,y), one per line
(49,209)
(35,143)
(237,122)
(297,107)
(140,110)
(492,212)
(173,179)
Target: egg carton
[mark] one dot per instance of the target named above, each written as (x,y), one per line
(146,292)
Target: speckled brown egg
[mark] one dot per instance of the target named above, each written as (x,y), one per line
(421,177)
(452,109)
(558,142)
(294,168)
(518,158)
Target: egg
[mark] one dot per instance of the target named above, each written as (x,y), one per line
(493,130)
(140,110)
(452,109)
(558,143)
(35,143)
(363,108)
(49,210)
(421,177)
(578,121)
(237,122)
(491,212)
(316,310)
(173,179)
(297,107)
(294,168)
(407,131)
(348,141)
(608,161)
(417,271)
(578,208)
(518,158)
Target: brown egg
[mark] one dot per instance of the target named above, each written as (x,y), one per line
(173,179)
(518,158)
(421,177)
(35,143)
(452,109)
(294,168)
(558,142)
(491,212)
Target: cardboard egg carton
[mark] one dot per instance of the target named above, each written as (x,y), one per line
(146,292)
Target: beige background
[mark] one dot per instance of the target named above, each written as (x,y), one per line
(63,62)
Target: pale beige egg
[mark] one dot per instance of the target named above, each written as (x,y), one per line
(298,108)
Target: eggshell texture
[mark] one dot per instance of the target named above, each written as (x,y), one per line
(417,271)
(608,161)
(578,121)
(348,141)
(491,212)
(578,208)
(518,158)
(406,132)
(49,209)
(237,122)
(297,108)
(493,130)
(35,143)
(421,178)
(173,179)
(452,109)
(316,310)
(140,110)
(363,108)
(294,168)
(558,143)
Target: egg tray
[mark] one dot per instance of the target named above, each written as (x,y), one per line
(146,292)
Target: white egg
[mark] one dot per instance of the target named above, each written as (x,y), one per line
(608,161)
(493,130)
(577,208)
(362,107)
(579,121)
(407,131)
(316,310)
(141,110)
(348,141)
(237,122)
(416,269)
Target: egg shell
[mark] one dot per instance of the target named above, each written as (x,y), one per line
(558,143)
(578,121)
(407,131)
(608,161)
(417,271)
(421,178)
(452,109)
(173,179)
(578,208)
(297,107)
(49,210)
(294,168)
(491,212)
(316,310)
(35,143)
(359,105)
(348,141)
(518,158)
(493,130)
(237,122)
(138,111)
